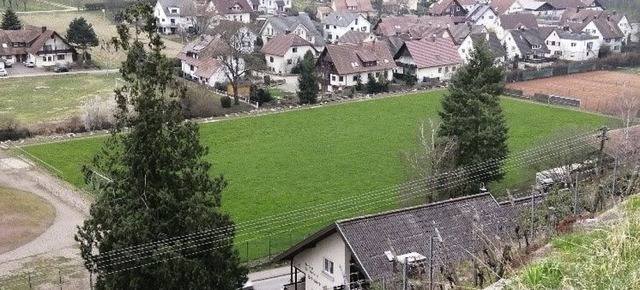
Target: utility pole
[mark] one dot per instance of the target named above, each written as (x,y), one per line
(603,138)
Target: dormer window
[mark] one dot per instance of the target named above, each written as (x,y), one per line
(536,46)
(173,10)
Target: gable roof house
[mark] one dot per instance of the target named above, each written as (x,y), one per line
(451,8)
(371,248)
(429,58)
(300,25)
(362,7)
(42,46)
(356,37)
(410,24)
(243,35)
(503,7)
(482,14)
(201,61)
(171,15)
(469,5)
(338,23)
(343,65)
(607,31)
(583,16)
(272,6)
(460,32)
(573,46)
(525,45)
(233,10)
(489,39)
(540,9)
(285,51)
(515,21)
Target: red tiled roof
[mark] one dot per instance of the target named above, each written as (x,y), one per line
(348,58)
(361,5)
(396,25)
(433,52)
(280,44)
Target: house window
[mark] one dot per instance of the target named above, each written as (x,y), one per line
(44,58)
(326,26)
(328,266)
(191,67)
(607,40)
(490,16)
(573,44)
(271,59)
(341,79)
(294,50)
(356,21)
(453,68)
(61,57)
(173,21)
(333,78)
(289,61)
(446,69)
(355,78)
(617,47)
(457,8)
(439,70)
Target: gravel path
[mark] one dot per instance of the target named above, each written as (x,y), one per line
(57,242)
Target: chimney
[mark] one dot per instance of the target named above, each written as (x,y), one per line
(44,28)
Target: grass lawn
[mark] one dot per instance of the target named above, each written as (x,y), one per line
(299,159)
(23,217)
(52,98)
(18,6)
(104,28)
(277,93)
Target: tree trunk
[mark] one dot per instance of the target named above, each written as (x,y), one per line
(236,99)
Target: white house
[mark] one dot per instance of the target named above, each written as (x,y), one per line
(203,60)
(171,16)
(489,39)
(239,34)
(272,6)
(345,65)
(349,253)
(607,32)
(524,44)
(338,23)
(482,14)
(39,45)
(285,51)
(429,58)
(502,7)
(300,25)
(572,46)
(233,10)
(515,21)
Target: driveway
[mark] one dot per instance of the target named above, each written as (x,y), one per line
(19,69)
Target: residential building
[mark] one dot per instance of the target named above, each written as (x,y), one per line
(410,25)
(515,21)
(525,45)
(489,39)
(285,51)
(469,5)
(172,15)
(410,5)
(482,14)
(572,46)
(608,33)
(371,248)
(206,58)
(338,23)
(504,7)
(42,46)
(300,25)
(242,36)
(232,10)
(583,16)
(355,37)
(362,7)
(449,8)
(460,32)
(323,12)
(272,6)
(540,9)
(560,6)
(345,65)
(429,58)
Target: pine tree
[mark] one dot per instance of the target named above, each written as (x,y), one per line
(156,184)
(10,20)
(472,115)
(81,34)
(308,80)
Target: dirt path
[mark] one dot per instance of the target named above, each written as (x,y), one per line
(54,250)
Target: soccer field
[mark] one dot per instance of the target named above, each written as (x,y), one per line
(302,159)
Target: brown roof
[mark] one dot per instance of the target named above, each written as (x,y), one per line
(564,4)
(361,5)
(608,29)
(432,52)
(439,7)
(227,27)
(518,20)
(349,58)
(33,37)
(280,44)
(353,36)
(206,47)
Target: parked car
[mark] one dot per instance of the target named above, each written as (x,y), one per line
(3,72)
(8,62)
(29,63)
(60,69)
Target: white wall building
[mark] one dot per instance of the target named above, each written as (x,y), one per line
(338,23)
(435,58)
(571,46)
(285,51)
(609,35)
(170,16)
(39,45)
(274,6)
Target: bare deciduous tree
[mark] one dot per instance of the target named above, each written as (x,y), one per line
(236,56)
(199,15)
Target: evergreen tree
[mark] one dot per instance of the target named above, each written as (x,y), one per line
(156,185)
(80,33)
(308,80)
(471,114)
(10,20)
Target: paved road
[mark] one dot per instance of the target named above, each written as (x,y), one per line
(271,279)
(74,72)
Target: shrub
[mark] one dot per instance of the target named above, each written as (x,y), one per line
(198,105)
(297,68)
(98,114)
(220,86)
(225,102)
(10,129)
(410,80)
(267,80)
(260,95)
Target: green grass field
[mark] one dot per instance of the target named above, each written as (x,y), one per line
(281,162)
(52,98)
(32,5)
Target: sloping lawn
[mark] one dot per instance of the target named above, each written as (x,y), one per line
(281,162)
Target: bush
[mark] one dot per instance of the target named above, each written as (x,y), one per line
(98,114)
(220,86)
(198,105)
(225,102)
(410,80)
(260,95)
(10,128)
(267,80)
(297,68)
